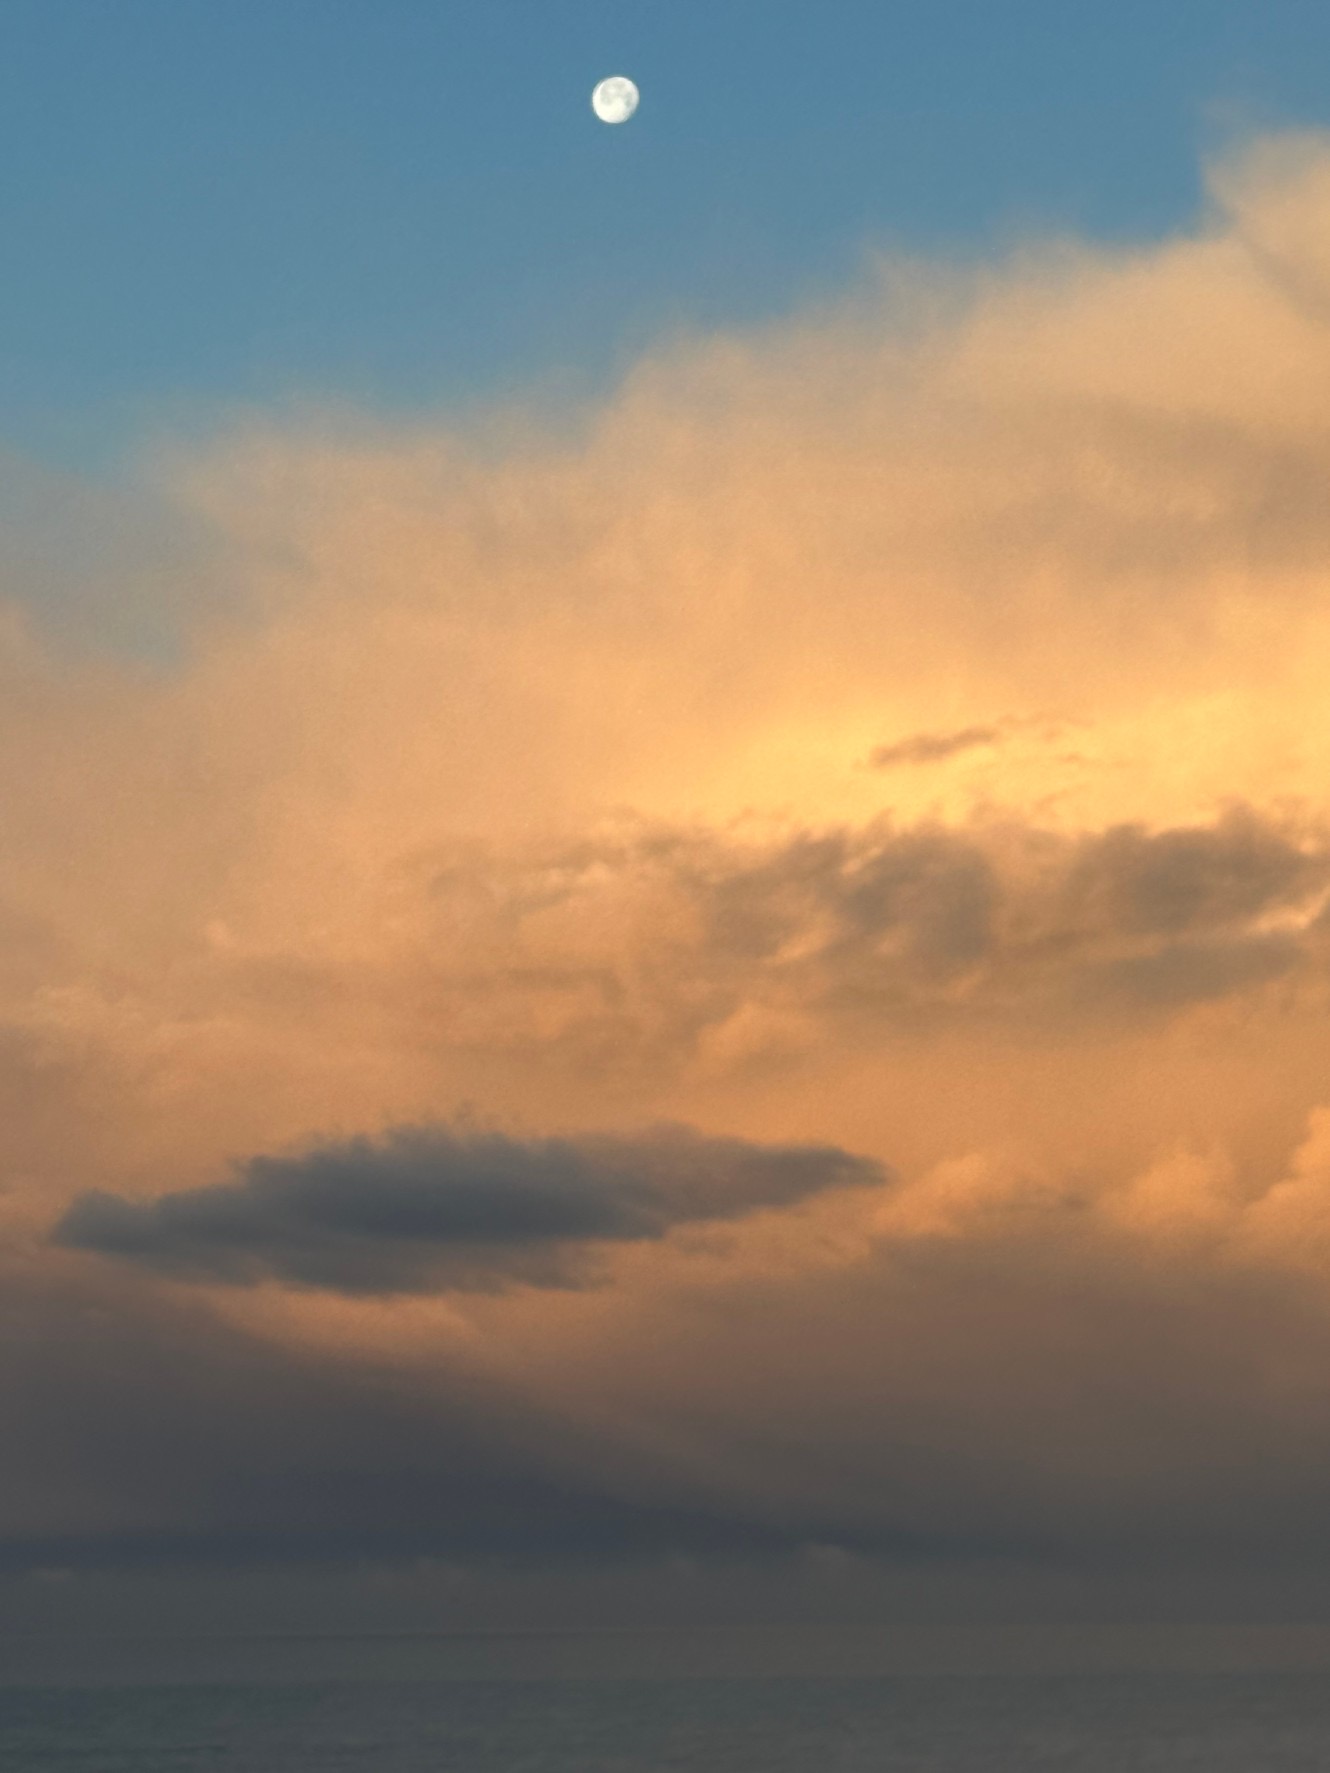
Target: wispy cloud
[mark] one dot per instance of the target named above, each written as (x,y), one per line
(934,747)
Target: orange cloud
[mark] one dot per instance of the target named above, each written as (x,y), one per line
(520,776)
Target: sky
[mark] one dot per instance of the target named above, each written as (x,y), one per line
(210,207)
(665,885)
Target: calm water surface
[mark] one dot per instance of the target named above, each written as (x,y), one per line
(419,1708)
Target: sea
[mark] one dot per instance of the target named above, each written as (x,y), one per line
(928,1702)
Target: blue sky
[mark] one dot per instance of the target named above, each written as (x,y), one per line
(407,203)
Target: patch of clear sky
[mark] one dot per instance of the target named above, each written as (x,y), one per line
(407,205)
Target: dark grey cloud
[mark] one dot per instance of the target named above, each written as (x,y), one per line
(917,905)
(1192,878)
(143,1431)
(934,747)
(857,929)
(858,906)
(424,1209)
(1046,1398)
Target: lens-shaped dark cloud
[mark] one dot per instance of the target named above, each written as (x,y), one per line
(427,1210)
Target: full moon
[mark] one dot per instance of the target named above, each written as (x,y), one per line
(615,99)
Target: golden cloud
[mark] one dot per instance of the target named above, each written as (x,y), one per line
(553,782)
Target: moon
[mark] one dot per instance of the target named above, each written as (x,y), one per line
(615,99)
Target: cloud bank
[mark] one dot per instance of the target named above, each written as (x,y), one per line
(900,732)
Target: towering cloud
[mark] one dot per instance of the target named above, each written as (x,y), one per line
(889,749)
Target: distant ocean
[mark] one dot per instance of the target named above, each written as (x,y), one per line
(537,1706)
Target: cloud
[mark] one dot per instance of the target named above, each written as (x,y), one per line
(426,1210)
(1002,1369)
(645,945)
(934,747)
(523,768)
(151,1433)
